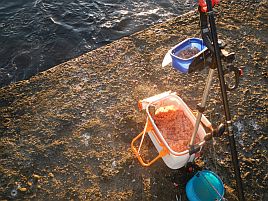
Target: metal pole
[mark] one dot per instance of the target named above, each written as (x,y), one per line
(203,104)
(225,101)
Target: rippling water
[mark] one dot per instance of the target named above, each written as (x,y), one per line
(38,34)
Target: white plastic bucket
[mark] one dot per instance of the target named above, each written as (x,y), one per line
(172,159)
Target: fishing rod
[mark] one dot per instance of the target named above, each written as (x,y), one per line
(210,54)
(207,9)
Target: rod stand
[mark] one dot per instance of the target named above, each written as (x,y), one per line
(210,37)
(202,105)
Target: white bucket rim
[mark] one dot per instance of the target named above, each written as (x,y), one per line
(159,134)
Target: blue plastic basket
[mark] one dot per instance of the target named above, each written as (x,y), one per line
(205,186)
(183,64)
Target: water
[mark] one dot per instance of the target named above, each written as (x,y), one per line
(36,35)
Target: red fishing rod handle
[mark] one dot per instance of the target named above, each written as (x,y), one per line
(203,4)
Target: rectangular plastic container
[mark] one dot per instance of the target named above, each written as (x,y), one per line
(183,64)
(172,159)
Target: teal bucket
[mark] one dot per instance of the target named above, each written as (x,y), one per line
(205,186)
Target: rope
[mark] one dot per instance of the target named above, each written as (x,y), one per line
(214,154)
(213,187)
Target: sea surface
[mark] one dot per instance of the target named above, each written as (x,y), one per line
(36,35)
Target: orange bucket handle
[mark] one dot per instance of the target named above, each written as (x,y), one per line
(163,152)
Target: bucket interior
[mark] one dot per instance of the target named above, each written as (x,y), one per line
(175,134)
(205,186)
(190,44)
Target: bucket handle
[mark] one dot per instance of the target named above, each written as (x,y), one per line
(163,152)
